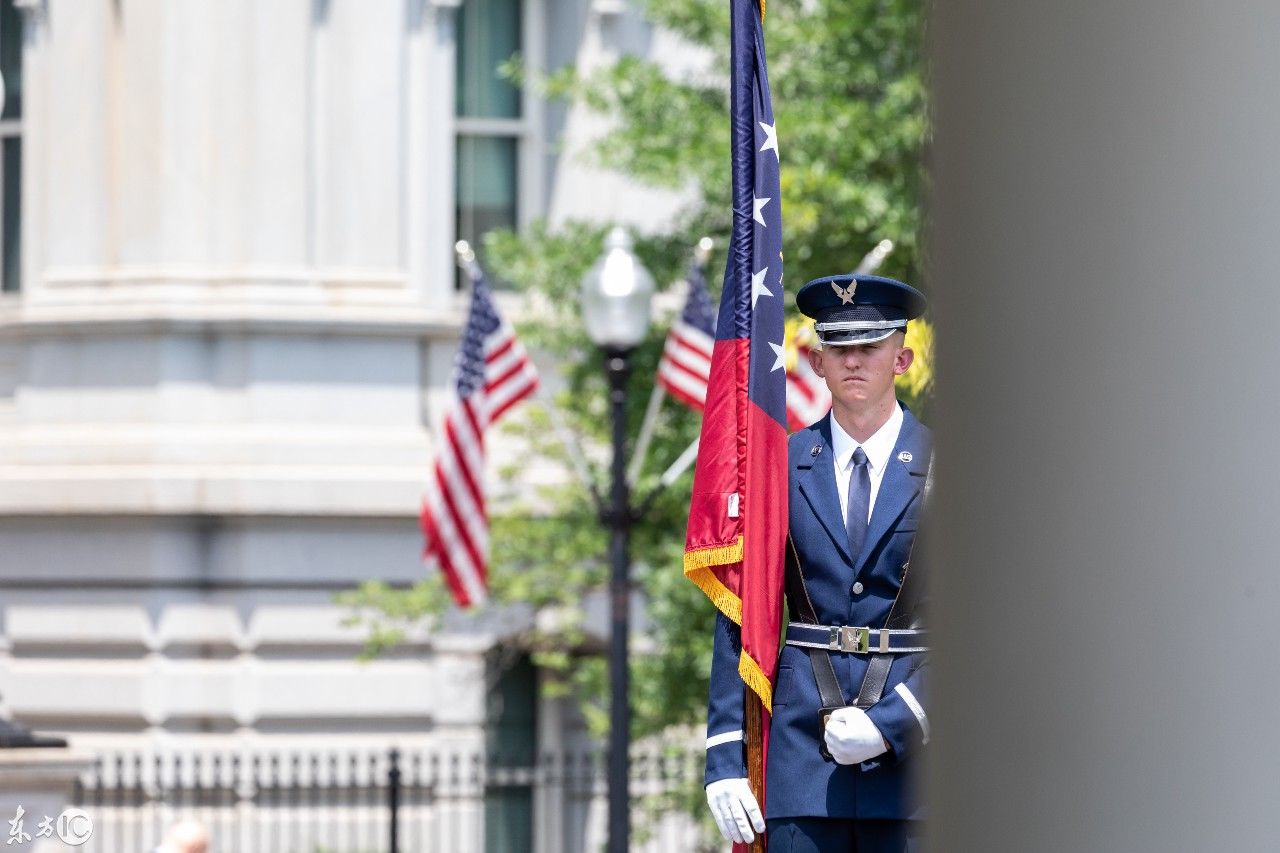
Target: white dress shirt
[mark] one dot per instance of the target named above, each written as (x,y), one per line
(877,447)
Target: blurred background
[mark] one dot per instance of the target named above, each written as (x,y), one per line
(229,316)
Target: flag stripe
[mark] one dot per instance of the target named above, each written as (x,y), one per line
(456,561)
(501,363)
(469,545)
(509,373)
(808,398)
(688,389)
(473,518)
(450,574)
(698,363)
(691,375)
(455,451)
(501,348)
(686,355)
(515,396)
(695,339)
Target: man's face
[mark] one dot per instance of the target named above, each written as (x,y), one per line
(863,375)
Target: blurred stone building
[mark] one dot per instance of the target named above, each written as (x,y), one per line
(229,312)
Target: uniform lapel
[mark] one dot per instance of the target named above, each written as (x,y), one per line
(817,478)
(902,482)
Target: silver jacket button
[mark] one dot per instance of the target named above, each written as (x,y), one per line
(857,588)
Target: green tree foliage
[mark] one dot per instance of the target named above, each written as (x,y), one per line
(849,97)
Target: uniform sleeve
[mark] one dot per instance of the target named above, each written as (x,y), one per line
(900,714)
(725,747)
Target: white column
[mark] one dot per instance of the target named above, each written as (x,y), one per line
(432,176)
(359,142)
(35,98)
(1105,270)
(72,201)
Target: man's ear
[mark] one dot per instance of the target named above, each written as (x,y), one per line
(906,356)
(815,361)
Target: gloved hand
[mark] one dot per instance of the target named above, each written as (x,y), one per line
(735,810)
(852,738)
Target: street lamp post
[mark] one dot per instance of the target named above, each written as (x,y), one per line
(615,306)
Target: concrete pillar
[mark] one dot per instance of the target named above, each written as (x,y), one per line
(1105,276)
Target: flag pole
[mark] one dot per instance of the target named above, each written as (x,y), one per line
(646,431)
(754,736)
(872,260)
(701,254)
(467,259)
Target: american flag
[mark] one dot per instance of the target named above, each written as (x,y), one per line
(686,357)
(491,374)
(808,398)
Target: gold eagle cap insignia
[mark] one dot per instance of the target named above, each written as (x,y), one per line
(845,293)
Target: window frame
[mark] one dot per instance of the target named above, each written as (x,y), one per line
(528,130)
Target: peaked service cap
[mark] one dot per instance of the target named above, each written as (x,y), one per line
(858,309)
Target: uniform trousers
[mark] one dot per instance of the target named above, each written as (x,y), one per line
(839,835)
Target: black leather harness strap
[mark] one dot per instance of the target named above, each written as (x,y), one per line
(877,674)
(901,615)
(824,672)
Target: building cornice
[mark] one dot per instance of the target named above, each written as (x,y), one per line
(70,321)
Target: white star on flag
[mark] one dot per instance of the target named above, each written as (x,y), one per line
(781,353)
(759,204)
(771,139)
(757,286)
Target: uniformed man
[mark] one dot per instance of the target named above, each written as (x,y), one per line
(848,701)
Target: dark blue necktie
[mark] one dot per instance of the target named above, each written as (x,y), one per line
(859,505)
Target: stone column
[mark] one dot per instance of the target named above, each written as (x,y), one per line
(1105,268)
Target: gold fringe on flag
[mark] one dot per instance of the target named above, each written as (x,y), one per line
(755,678)
(697,568)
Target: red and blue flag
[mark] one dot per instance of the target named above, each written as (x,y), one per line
(738,514)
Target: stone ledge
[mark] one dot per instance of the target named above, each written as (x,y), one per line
(21,322)
(41,765)
(357,492)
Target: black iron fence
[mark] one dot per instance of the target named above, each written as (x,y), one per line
(396,801)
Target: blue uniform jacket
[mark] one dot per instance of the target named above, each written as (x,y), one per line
(800,782)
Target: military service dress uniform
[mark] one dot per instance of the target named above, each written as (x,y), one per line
(843,583)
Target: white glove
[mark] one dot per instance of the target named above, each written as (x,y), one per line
(735,810)
(852,738)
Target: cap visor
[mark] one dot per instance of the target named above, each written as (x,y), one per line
(853,338)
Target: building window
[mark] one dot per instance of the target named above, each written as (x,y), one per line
(10,146)
(491,118)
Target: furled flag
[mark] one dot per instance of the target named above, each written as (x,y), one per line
(491,374)
(738,514)
(686,356)
(808,398)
